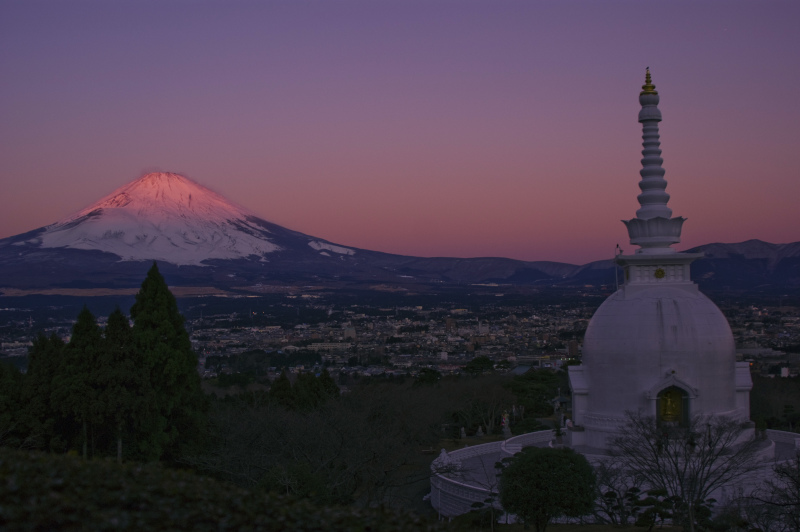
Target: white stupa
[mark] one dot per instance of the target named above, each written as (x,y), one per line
(657,345)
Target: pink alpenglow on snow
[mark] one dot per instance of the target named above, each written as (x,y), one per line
(163,216)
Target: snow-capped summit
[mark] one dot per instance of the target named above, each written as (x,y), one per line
(166,217)
(168,194)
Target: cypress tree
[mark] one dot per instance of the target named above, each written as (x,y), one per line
(329,386)
(75,390)
(44,426)
(121,379)
(173,403)
(10,404)
(281,391)
(308,392)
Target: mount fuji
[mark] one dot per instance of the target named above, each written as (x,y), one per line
(168,217)
(194,233)
(199,238)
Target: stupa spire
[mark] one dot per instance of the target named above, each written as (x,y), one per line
(648,87)
(653,229)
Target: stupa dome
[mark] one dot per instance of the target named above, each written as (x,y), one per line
(642,341)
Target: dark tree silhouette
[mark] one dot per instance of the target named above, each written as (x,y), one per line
(329,386)
(540,484)
(281,391)
(121,378)
(779,498)
(75,391)
(308,392)
(44,425)
(10,404)
(689,463)
(173,404)
(479,365)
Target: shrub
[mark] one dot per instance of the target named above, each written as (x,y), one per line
(541,484)
(50,492)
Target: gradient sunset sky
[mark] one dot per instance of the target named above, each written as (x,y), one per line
(431,128)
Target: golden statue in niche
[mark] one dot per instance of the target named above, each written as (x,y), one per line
(671,410)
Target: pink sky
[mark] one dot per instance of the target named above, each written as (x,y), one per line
(431,128)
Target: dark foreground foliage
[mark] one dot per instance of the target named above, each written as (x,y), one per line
(540,484)
(49,492)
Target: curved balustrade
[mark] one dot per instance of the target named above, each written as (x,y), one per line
(454,493)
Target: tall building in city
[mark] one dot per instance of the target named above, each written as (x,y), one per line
(657,345)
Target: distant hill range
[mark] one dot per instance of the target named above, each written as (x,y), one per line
(199,238)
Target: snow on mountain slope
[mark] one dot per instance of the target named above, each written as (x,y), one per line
(162,216)
(341,250)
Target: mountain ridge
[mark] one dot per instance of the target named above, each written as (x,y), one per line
(199,237)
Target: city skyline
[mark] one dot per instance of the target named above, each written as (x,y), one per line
(417,128)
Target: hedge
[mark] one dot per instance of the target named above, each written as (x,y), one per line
(56,492)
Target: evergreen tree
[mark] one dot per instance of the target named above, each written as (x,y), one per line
(173,403)
(44,426)
(75,391)
(308,392)
(120,378)
(329,386)
(281,391)
(10,404)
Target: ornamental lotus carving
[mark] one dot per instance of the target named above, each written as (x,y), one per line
(655,232)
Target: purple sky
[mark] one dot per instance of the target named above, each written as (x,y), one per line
(425,128)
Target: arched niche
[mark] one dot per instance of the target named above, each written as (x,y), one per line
(672,407)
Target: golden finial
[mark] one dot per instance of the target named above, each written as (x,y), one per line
(648,87)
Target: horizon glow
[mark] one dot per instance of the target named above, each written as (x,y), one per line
(419,128)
